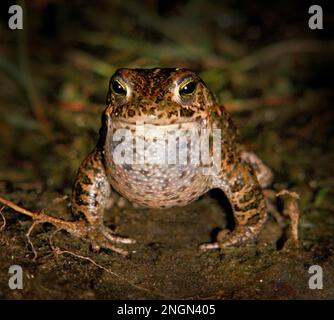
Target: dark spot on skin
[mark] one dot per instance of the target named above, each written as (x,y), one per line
(247,196)
(93,164)
(79,190)
(96,170)
(131,113)
(127,167)
(254,219)
(94,203)
(257,191)
(172,113)
(78,199)
(166,183)
(159,99)
(237,185)
(253,205)
(230,158)
(86,179)
(186,112)
(88,165)
(81,215)
(127,184)
(143,203)
(151,111)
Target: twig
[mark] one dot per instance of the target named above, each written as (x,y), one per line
(3,218)
(292,209)
(30,242)
(51,239)
(59,252)
(78,228)
(75,228)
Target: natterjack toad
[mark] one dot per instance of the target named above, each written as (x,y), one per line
(169,101)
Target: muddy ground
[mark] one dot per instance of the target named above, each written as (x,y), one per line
(292,131)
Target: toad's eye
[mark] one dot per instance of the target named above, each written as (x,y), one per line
(187,88)
(118,87)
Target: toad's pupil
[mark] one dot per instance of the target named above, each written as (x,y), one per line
(118,88)
(188,88)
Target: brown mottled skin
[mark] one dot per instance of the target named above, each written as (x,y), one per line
(153,96)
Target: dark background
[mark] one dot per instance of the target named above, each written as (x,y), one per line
(261,60)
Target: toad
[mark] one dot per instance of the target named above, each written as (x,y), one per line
(168,100)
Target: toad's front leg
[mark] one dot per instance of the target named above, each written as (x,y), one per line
(244,192)
(92,194)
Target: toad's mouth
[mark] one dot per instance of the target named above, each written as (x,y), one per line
(154,120)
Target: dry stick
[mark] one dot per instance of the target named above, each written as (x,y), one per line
(3,218)
(40,217)
(74,228)
(77,228)
(292,209)
(30,242)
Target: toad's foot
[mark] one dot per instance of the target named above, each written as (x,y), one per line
(226,238)
(102,237)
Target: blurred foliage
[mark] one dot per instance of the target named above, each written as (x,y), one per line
(257,58)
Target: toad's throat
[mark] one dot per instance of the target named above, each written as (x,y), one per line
(158,165)
(156,181)
(174,144)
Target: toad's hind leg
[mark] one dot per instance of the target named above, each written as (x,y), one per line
(244,192)
(92,194)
